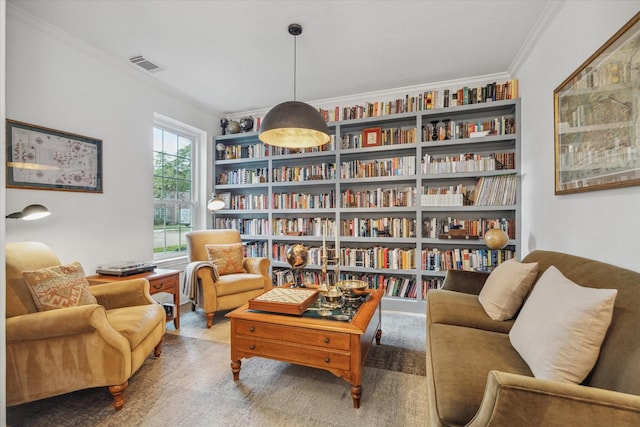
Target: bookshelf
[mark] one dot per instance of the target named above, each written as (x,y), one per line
(393,204)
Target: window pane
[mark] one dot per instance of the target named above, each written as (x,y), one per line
(157,139)
(184,146)
(170,143)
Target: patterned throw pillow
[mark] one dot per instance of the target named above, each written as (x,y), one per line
(226,257)
(58,287)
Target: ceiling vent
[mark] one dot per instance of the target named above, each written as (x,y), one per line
(144,63)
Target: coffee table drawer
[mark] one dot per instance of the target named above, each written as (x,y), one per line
(325,359)
(295,335)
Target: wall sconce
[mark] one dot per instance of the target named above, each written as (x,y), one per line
(215,203)
(30,213)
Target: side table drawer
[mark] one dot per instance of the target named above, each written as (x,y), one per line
(163,284)
(325,359)
(294,335)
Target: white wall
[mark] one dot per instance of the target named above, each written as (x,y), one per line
(601,224)
(57,82)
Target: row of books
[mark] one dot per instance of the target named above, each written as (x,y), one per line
(329,146)
(378,227)
(453,195)
(304,173)
(468,162)
(305,226)
(395,166)
(255,250)
(251,226)
(303,200)
(441,130)
(281,277)
(245,151)
(427,100)
(379,257)
(495,190)
(388,136)
(243,176)
(433,227)
(379,198)
(462,258)
(246,201)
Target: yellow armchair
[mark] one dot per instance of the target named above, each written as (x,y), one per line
(228,291)
(59,351)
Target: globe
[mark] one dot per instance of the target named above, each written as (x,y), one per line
(496,238)
(297,256)
(233,127)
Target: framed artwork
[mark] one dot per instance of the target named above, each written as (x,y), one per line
(597,118)
(226,198)
(371,137)
(48,159)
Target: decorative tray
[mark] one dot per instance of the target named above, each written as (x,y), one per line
(284,300)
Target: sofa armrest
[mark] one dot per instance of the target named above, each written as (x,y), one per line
(512,399)
(258,265)
(469,282)
(125,293)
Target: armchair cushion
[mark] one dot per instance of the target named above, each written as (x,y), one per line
(59,286)
(505,288)
(226,258)
(561,327)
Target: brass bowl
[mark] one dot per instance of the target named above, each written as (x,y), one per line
(332,296)
(353,288)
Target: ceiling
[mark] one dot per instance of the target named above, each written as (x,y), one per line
(235,56)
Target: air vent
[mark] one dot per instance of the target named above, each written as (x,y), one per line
(144,63)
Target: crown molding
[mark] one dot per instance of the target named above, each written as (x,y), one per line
(14,12)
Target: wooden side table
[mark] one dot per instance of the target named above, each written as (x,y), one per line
(160,280)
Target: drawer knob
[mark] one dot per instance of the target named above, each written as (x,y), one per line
(326,340)
(326,359)
(252,347)
(251,329)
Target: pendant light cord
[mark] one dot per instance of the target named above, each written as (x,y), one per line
(295,62)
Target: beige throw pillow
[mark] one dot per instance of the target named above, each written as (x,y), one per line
(505,288)
(58,287)
(561,327)
(226,257)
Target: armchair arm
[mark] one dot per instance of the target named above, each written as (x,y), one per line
(125,293)
(258,265)
(511,399)
(469,282)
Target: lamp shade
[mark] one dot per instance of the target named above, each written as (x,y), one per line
(294,124)
(30,213)
(496,238)
(215,203)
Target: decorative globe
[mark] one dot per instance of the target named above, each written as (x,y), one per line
(297,256)
(496,238)
(233,127)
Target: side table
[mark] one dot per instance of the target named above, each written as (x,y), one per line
(160,280)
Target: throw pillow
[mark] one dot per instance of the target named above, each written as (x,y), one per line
(561,327)
(59,286)
(226,258)
(505,288)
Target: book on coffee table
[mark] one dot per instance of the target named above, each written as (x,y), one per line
(284,300)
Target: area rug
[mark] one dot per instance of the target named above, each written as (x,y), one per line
(191,385)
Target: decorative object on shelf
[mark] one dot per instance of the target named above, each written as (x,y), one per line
(223,125)
(294,124)
(246,124)
(434,132)
(297,257)
(496,238)
(215,203)
(30,213)
(447,129)
(596,122)
(233,127)
(371,137)
(61,160)
(220,150)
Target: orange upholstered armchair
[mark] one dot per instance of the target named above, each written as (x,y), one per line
(218,277)
(102,341)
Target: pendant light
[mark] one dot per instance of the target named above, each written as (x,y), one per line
(294,124)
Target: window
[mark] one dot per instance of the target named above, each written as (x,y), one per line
(173,190)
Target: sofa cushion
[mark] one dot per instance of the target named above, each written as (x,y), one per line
(137,322)
(458,363)
(59,286)
(561,327)
(226,258)
(457,308)
(505,288)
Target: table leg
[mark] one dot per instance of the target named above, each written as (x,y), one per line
(176,302)
(235,368)
(356,392)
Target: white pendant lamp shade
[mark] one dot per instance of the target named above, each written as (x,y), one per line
(215,204)
(294,124)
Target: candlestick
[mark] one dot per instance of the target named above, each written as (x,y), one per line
(324,239)
(336,245)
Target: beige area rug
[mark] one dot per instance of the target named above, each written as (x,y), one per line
(191,385)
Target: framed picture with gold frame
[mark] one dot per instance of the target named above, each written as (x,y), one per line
(371,137)
(40,158)
(597,118)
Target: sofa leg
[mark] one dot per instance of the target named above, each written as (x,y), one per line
(116,392)
(157,351)
(210,319)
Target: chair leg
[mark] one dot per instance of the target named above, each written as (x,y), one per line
(157,351)
(116,392)
(210,319)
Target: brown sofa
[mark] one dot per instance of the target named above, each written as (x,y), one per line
(476,378)
(59,351)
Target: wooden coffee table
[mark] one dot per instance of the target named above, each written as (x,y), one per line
(336,346)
